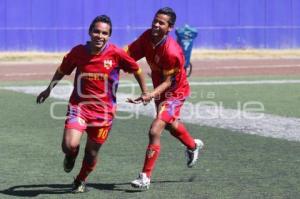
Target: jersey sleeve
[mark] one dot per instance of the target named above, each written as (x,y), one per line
(135,49)
(171,65)
(127,63)
(68,63)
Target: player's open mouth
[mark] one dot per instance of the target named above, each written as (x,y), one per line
(155,31)
(99,42)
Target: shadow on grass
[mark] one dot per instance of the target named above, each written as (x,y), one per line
(56,189)
(35,190)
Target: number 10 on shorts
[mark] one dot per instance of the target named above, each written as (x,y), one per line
(102,133)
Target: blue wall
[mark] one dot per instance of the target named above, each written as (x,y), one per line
(57,25)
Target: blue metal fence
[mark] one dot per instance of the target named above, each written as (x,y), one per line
(57,25)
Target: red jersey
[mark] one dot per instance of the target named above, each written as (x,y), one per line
(164,59)
(97,77)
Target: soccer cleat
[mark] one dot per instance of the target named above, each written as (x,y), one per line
(142,181)
(78,186)
(192,155)
(68,163)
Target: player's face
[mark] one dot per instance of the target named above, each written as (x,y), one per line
(99,35)
(160,25)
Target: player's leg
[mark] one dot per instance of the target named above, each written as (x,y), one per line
(170,113)
(75,125)
(70,146)
(88,165)
(152,153)
(178,130)
(96,138)
(153,148)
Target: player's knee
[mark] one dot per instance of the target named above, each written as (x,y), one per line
(73,145)
(154,132)
(168,127)
(68,147)
(90,156)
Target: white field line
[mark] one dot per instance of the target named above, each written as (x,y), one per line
(27,61)
(208,68)
(214,116)
(210,83)
(25,74)
(245,82)
(254,66)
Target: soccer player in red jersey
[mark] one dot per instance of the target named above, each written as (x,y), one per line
(92,104)
(171,88)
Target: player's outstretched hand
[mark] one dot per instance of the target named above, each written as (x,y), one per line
(144,98)
(43,96)
(134,101)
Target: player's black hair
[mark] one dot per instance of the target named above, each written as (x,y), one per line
(101,18)
(170,12)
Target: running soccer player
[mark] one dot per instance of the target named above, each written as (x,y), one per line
(171,88)
(92,104)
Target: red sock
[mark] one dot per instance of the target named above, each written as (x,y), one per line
(86,169)
(184,136)
(151,156)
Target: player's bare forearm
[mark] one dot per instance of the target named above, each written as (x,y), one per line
(162,87)
(55,79)
(45,94)
(140,78)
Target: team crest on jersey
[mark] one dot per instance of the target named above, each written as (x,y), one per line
(108,63)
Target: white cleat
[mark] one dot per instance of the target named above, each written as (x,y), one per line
(142,181)
(192,155)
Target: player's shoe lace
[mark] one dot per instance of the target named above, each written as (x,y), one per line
(79,186)
(142,181)
(192,155)
(69,163)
